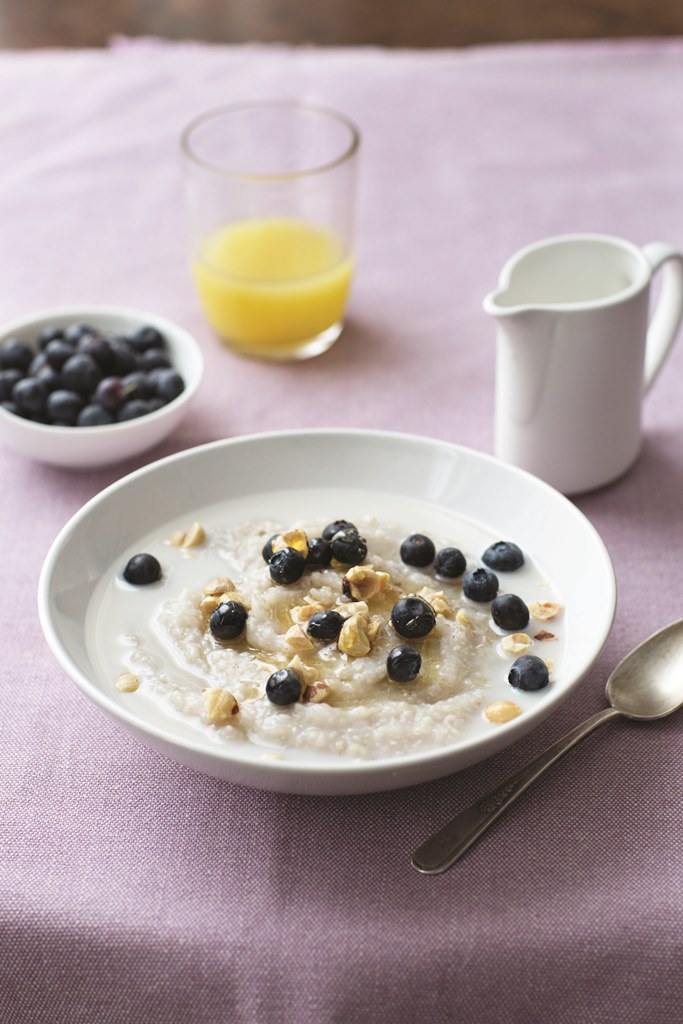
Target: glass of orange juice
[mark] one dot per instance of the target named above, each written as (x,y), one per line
(271,190)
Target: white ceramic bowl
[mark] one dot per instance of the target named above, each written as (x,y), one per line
(85,447)
(335,473)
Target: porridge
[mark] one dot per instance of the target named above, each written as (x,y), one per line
(350,640)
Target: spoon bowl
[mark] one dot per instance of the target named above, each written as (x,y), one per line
(646,685)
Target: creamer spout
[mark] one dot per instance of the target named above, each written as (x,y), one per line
(501,303)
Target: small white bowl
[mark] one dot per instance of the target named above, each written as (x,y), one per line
(84,447)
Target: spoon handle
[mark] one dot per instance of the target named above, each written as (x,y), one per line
(441,850)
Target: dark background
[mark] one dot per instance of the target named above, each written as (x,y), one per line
(394,23)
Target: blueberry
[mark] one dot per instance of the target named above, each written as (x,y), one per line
(57,353)
(168,384)
(450,563)
(403,663)
(153,359)
(8,378)
(348,547)
(12,407)
(132,410)
(153,404)
(283,687)
(74,332)
(228,620)
(413,618)
(125,360)
(94,415)
(142,569)
(111,393)
(51,379)
(81,373)
(267,549)
(480,585)
(146,337)
(510,612)
(528,673)
(37,364)
(136,385)
(64,406)
(504,556)
(335,527)
(15,355)
(49,334)
(325,625)
(319,554)
(29,395)
(417,550)
(287,565)
(101,351)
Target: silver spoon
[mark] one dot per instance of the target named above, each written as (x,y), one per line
(646,685)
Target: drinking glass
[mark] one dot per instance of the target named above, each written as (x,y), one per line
(271,190)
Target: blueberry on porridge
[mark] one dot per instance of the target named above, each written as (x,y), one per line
(413,618)
(319,554)
(450,563)
(403,663)
(503,556)
(286,565)
(325,625)
(283,687)
(227,622)
(529,673)
(509,612)
(417,550)
(335,527)
(348,547)
(480,585)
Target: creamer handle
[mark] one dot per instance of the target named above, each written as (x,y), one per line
(669,310)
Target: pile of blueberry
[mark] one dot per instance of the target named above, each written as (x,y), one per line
(77,376)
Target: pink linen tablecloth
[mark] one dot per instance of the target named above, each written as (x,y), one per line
(132,889)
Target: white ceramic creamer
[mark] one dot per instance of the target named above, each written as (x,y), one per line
(575,354)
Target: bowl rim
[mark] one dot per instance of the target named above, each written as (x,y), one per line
(340,769)
(125,312)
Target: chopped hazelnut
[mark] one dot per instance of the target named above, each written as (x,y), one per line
(437,599)
(353,639)
(296,539)
(219,585)
(208,604)
(220,706)
(307,673)
(303,612)
(191,538)
(362,582)
(297,639)
(544,610)
(502,711)
(127,682)
(315,693)
(373,628)
(516,643)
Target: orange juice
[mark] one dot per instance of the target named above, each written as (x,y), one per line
(270,286)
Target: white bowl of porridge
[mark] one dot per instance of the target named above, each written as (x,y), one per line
(328,612)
